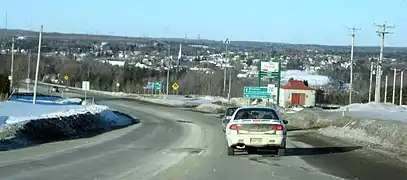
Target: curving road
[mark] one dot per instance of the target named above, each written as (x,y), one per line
(174,143)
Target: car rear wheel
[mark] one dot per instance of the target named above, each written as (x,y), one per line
(231,151)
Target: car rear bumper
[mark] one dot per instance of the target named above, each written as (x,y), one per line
(266,140)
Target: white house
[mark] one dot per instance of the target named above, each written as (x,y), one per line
(295,92)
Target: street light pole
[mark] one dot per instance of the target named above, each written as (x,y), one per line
(401,88)
(224,72)
(28,70)
(38,65)
(226,42)
(230,82)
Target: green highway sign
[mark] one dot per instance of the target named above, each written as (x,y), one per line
(270,69)
(256,92)
(158,86)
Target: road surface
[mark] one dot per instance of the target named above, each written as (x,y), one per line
(174,143)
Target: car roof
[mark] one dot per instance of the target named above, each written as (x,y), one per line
(257,107)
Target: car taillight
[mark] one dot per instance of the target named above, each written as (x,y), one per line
(277,127)
(234,127)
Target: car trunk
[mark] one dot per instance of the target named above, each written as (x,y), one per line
(267,127)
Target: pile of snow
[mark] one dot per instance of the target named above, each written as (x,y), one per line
(313,79)
(16,112)
(22,123)
(69,100)
(210,108)
(371,123)
(384,111)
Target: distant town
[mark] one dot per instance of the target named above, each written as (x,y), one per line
(321,66)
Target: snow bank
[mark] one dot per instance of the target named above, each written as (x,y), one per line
(390,133)
(383,111)
(210,108)
(19,111)
(43,123)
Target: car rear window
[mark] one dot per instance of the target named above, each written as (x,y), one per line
(230,111)
(256,113)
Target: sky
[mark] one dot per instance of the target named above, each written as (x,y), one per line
(288,21)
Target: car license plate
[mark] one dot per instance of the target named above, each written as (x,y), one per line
(255,140)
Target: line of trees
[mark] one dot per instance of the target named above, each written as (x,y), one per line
(103,76)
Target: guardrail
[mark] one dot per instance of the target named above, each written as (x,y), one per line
(73,88)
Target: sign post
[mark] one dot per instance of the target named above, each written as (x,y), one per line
(270,69)
(85,87)
(66,77)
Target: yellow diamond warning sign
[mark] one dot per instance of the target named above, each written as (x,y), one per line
(175,86)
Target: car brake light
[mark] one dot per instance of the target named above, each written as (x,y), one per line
(234,127)
(256,120)
(277,127)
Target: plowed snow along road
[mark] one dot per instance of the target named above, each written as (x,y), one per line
(172,143)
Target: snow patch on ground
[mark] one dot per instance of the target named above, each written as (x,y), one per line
(313,79)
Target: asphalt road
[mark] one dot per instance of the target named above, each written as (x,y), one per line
(174,143)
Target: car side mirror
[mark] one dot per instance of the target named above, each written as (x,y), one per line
(285,121)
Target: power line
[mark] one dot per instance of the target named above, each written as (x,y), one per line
(353,35)
(382,32)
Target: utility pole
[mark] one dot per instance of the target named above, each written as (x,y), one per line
(382,32)
(38,65)
(12,65)
(385,89)
(394,83)
(28,70)
(353,34)
(371,80)
(169,67)
(401,87)
(6,26)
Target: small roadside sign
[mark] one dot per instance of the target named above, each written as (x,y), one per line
(271,88)
(66,77)
(158,86)
(85,85)
(175,86)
